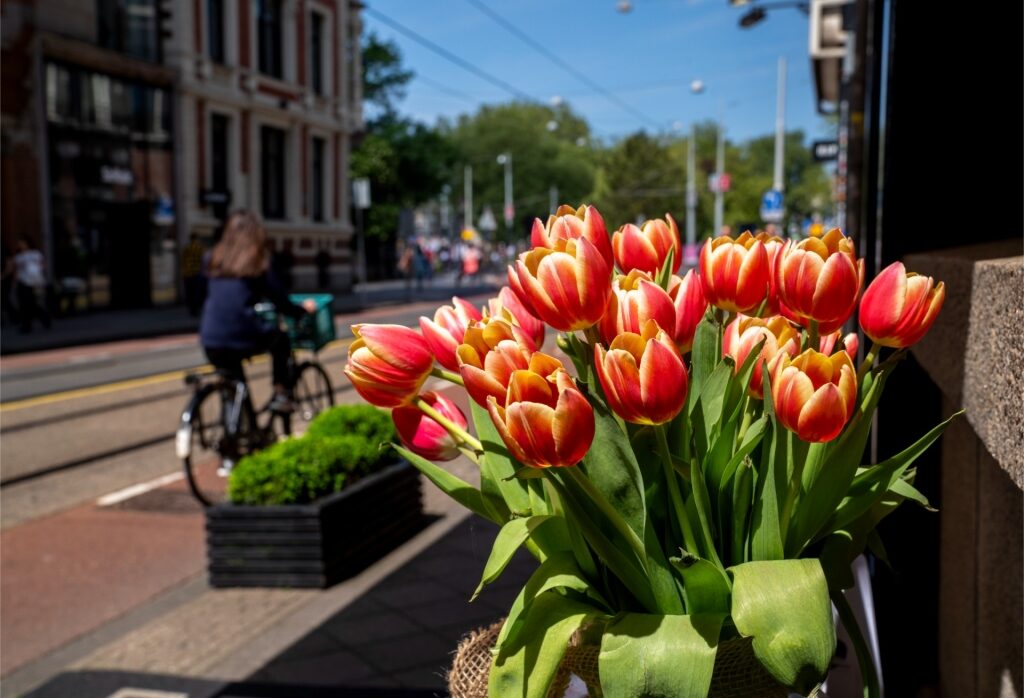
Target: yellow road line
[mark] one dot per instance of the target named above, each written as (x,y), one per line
(107,388)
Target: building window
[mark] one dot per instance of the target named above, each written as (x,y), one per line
(270,39)
(272,171)
(219,151)
(316,52)
(130,27)
(215,30)
(318,179)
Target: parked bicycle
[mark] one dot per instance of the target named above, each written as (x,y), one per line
(220,424)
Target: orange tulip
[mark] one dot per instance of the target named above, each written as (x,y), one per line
(819,279)
(743,334)
(814,394)
(491,351)
(387,364)
(647,248)
(635,299)
(421,434)
(899,307)
(571,224)
(546,421)
(687,296)
(566,285)
(734,272)
(643,377)
(444,333)
(508,307)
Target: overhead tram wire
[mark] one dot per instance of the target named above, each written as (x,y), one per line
(447,55)
(441,87)
(582,77)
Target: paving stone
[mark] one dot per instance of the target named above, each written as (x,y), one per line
(339,668)
(393,656)
(385,625)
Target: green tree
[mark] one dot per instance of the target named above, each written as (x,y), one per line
(384,78)
(640,177)
(550,146)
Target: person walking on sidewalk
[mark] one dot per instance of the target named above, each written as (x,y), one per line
(29,269)
(230,330)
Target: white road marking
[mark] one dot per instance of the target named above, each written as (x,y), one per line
(136,490)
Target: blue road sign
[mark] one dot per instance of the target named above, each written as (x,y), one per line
(771,206)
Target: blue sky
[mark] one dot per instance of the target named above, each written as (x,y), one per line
(647,57)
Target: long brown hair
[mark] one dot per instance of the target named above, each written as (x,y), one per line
(242,250)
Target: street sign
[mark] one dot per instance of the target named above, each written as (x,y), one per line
(719,183)
(825,151)
(361,193)
(487,222)
(163,212)
(771,206)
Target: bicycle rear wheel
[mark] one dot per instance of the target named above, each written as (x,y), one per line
(313,392)
(208,446)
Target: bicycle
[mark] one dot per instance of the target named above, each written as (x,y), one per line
(220,425)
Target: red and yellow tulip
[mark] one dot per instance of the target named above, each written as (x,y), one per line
(687,294)
(648,247)
(850,343)
(491,351)
(898,307)
(819,279)
(565,285)
(744,333)
(735,273)
(814,394)
(643,377)
(508,307)
(387,364)
(546,421)
(445,332)
(634,300)
(421,434)
(571,224)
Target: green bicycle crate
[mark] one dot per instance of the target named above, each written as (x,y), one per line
(312,332)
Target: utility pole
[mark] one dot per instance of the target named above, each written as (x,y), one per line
(780,125)
(552,199)
(467,197)
(691,189)
(510,211)
(719,171)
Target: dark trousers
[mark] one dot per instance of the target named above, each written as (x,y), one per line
(31,305)
(276,342)
(195,293)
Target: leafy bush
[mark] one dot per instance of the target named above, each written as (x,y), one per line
(364,420)
(344,446)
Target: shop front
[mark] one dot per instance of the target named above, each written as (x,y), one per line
(112,204)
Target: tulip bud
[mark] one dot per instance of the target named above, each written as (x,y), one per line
(898,308)
(850,343)
(647,248)
(744,333)
(566,286)
(444,333)
(642,375)
(687,296)
(819,279)
(546,421)
(814,394)
(422,435)
(507,306)
(387,364)
(734,272)
(491,352)
(571,224)
(634,300)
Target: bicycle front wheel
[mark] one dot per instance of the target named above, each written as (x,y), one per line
(205,445)
(313,392)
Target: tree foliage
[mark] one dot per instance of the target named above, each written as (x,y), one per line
(384,78)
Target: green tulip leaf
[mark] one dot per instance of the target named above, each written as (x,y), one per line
(498,483)
(706,586)
(659,656)
(765,528)
(784,606)
(456,488)
(510,537)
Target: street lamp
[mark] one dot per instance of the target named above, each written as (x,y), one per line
(757,13)
(696,87)
(510,211)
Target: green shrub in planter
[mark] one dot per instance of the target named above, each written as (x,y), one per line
(373,424)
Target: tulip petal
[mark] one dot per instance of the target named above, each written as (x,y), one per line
(882,304)
(573,427)
(663,382)
(823,416)
(530,425)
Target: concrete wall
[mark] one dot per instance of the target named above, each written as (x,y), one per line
(975,354)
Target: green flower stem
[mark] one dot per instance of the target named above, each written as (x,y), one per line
(813,341)
(445,374)
(470,454)
(867,668)
(673,490)
(869,361)
(457,432)
(616,520)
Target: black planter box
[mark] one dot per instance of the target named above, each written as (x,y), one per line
(314,545)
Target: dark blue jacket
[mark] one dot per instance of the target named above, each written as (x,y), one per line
(229,317)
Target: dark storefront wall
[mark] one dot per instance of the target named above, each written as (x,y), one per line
(111,175)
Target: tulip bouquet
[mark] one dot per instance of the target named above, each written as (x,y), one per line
(687,465)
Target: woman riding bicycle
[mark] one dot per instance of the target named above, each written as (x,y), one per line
(238,269)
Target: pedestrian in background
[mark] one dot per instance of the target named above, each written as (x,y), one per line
(29,269)
(192,274)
